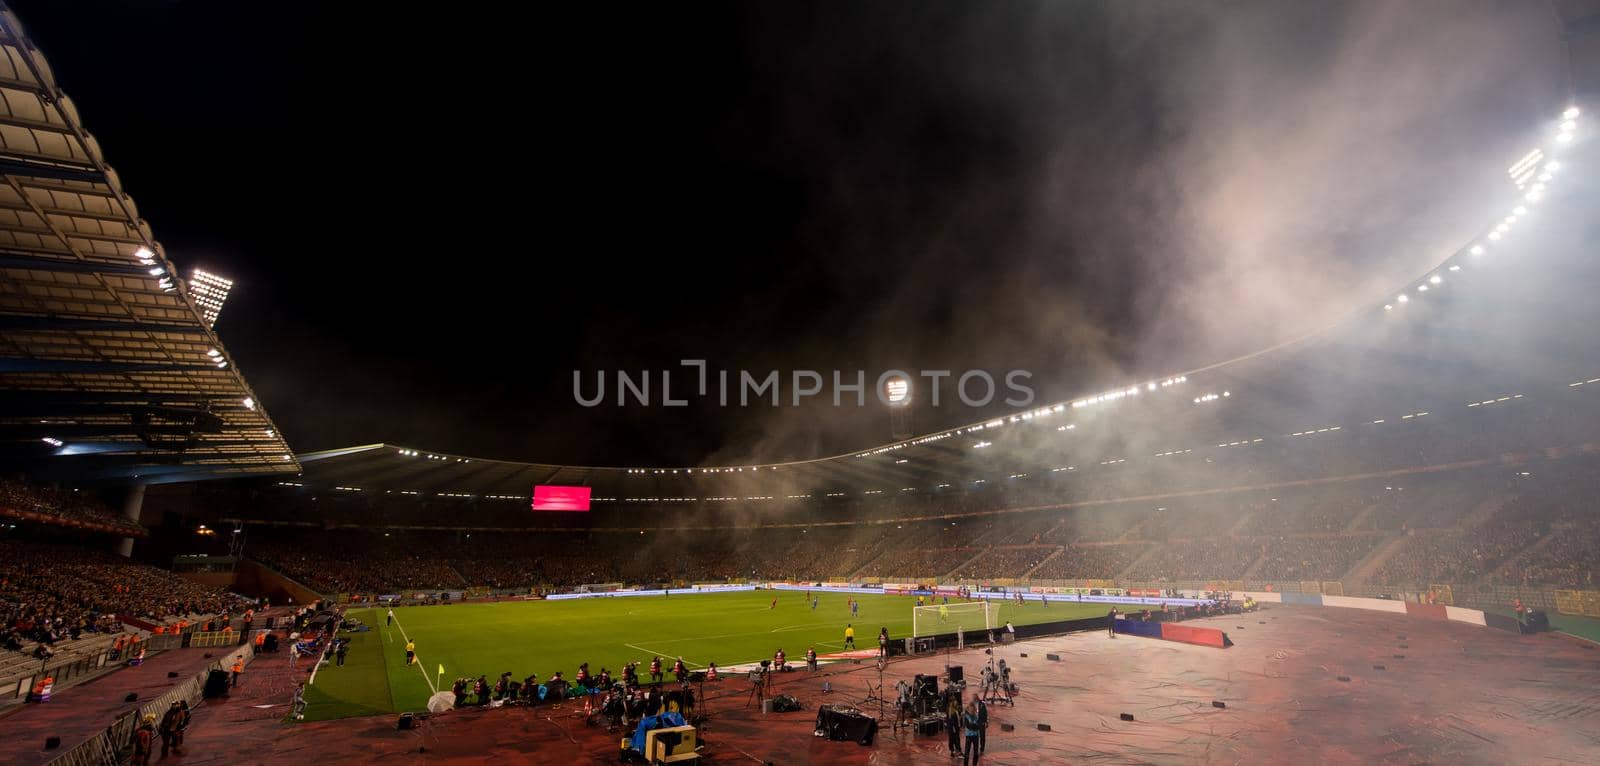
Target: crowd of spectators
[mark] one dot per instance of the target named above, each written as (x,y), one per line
(1199,559)
(1327,557)
(59,507)
(1317,532)
(50,593)
(1006,562)
(1571,559)
(1090,561)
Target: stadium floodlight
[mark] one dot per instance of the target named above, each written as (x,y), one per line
(1564,138)
(897,390)
(1388,307)
(1476,250)
(209,292)
(1519,210)
(1403,298)
(1422,288)
(1436,279)
(144,253)
(52,441)
(1569,126)
(249,403)
(213,353)
(1571,113)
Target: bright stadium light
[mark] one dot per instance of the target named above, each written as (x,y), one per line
(1476,250)
(897,390)
(1571,113)
(1564,138)
(52,441)
(1569,126)
(1403,299)
(1436,279)
(209,292)
(249,403)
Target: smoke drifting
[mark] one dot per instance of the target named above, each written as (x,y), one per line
(1098,192)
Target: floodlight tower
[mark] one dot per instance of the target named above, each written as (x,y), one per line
(897,395)
(209,292)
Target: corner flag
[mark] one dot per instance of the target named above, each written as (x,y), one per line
(441,668)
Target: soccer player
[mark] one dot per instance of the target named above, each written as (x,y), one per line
(411,652)
(774,603)
(944,612)
(813,603)
(849,637)
(855,608)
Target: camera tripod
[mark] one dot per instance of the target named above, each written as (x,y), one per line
(876,694)
(758,689)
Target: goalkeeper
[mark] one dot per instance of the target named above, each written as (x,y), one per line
(944,612)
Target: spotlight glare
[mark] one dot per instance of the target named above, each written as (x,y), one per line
(1571,113)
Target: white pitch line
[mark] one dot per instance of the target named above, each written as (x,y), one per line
(686,660)
(418,657)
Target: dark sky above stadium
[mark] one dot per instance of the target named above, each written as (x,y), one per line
(435,213)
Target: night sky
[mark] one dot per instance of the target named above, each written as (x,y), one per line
(435,213)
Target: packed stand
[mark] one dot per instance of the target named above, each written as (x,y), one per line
(51,593)
(29,502)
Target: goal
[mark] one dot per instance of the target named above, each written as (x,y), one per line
(950,618)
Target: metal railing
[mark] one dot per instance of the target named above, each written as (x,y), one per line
(112,745)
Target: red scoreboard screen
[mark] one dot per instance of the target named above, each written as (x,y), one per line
(551,497)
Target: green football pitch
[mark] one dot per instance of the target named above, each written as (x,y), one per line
(541,637)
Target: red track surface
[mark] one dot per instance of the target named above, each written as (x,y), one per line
(1460,695)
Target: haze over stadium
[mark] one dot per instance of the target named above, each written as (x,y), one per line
(1299,297)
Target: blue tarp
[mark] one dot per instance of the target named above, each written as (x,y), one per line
(651,723)
(1137,628)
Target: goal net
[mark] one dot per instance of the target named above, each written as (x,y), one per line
(949,618)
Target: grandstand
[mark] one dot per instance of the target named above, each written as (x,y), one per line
(1421,464)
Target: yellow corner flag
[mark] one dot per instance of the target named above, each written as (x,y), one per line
(441,668)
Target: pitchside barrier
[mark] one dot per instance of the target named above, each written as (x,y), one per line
(1171,631)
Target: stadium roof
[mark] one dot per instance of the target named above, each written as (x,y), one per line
(108,370)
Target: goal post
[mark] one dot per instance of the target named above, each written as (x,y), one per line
(935,619)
